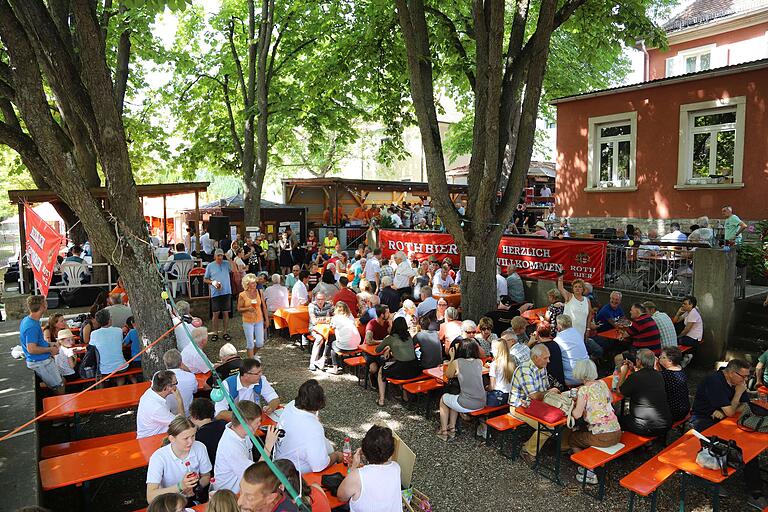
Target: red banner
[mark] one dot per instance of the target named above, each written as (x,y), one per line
(43,243)
(535,258)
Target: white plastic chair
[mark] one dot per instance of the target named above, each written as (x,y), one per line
(181,270)
(73,273)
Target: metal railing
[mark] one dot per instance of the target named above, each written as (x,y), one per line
(655,268)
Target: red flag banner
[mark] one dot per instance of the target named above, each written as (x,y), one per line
(43,243)
(535,258)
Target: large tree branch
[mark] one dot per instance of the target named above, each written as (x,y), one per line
(453,36)
(238,65)
(231,116)
(123,61)
(26,148)
(540,44)
(289,55)
(413,24)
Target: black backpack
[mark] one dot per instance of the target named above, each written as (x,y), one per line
(89,366)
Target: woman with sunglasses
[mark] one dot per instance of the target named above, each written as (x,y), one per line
(181,466)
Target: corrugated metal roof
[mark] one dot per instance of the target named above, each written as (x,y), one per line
(702,12)
(236,201)
(725,70)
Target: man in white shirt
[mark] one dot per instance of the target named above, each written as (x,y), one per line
(545,191)
(180,331)
(501,284)
(397,222)
(187,383)
(572,347)
(276,295)
(299,293)
(153,415)
(250,385)
(206,244)
(693,332)
(676,235)
(404,274)
(191,359)
(372,269)
(233,455)
(304,442)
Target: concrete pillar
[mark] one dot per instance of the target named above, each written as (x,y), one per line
(714,282)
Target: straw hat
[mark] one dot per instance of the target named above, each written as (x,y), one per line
(64,334)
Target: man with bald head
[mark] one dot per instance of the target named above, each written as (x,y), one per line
(530,382)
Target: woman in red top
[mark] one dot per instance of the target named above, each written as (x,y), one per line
(311,247)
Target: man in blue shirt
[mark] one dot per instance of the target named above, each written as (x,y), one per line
(609,313)
(217,276)
(38,352)
(108,340)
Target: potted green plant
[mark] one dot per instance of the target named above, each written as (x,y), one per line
(753,255)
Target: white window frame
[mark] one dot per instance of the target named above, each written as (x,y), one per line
(686,132)
(675,66)
(593,151)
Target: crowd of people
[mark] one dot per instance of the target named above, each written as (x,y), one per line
(402,307)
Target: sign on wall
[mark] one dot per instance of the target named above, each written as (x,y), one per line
(535,258)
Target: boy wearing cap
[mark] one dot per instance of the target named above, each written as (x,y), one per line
(217,276)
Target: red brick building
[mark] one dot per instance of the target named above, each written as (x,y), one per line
(691,138)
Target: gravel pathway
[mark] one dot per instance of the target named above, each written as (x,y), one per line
(461,475)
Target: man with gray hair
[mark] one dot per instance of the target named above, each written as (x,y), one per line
(428,302)
(703,234)
(108,340)
(404,275)
(187,383)
(450,329)
(515,288)
(388,295)
(180,331)
(572,347)
(276,295)
(530,382)
(649,413)
(664,323)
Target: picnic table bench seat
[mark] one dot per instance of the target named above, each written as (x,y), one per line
(124,373)
(595,459)
(56,450)
(425,389)
(646,479)
(506,424)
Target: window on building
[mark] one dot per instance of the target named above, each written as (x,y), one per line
(694,60)
(711,142)
(612,151)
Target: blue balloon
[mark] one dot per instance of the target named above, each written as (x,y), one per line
(217,395)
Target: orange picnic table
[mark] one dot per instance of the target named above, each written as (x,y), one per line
(202,379)
(316,478)
(554,430)
(532,315)
(85,465)
(453,299)
(324,330)
(683,456)
(295,319)
(438,372)
(96,400)
(612,333)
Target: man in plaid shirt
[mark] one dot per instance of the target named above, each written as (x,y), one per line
(530,382)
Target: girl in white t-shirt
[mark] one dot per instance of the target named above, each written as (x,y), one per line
(347,335)
(500,373)
(181,466)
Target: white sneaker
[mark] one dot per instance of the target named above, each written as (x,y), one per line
(590,477)
(482,430)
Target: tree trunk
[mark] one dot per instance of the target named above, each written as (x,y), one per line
(144,287)
(476,297)
(252,199)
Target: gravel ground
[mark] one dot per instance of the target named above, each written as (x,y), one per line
(461,475)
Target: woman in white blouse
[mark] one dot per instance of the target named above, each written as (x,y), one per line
(181,465)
